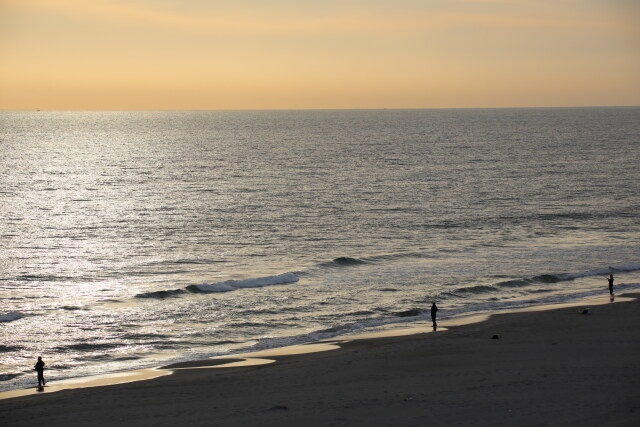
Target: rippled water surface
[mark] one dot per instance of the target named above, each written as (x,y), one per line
(132,239)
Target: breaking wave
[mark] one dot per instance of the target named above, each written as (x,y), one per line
(9,376)
(233,285)
(479,289)
(344,261)
(536,281)
(10,317)
(226,286)
(599,272)
(162,294)
(409,313)
(89,346)
(563,277)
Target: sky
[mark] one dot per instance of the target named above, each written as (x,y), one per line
(307,54)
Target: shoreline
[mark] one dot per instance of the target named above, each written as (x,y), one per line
(261,357)
(550,367)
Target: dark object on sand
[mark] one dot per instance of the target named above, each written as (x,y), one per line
(585,311)
(495,337)
(278,407)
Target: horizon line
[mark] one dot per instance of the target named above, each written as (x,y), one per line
(316,109)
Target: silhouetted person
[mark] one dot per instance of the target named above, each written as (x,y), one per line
(610,279)
(40,368)
(434,310)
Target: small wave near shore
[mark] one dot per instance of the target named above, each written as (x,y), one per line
(226,286)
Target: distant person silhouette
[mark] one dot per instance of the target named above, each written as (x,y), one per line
(40,368)
(434,310)
(610,279)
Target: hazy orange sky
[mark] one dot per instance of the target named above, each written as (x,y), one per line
(250,54)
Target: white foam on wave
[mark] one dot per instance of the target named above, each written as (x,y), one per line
(10,317)
(630,267)
(569,297)
(232,285)
(217,287)
(571,276)
(600,272)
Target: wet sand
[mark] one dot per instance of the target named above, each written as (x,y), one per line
(555,367)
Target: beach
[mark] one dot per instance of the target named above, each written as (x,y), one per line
(530,368)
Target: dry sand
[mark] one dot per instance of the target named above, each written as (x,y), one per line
(556,367)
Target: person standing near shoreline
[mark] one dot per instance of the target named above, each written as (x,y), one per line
(40,369)
(610,279)
(434,310)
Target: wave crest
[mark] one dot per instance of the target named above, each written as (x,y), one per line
(233,285)
(161,294)
(10,317)
(227,286)
(343,261)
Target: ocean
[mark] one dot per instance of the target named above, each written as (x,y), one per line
(138,239)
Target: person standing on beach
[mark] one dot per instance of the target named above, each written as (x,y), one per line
(610,279)
(434,310)
(40,369)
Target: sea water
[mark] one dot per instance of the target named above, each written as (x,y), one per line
(136,239)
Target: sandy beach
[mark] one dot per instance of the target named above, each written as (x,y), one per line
(553,367)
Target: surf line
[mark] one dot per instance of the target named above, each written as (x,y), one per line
(90,381)
(235,361)
(256,358)
(263,357)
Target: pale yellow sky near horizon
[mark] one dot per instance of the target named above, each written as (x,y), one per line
(285,54)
